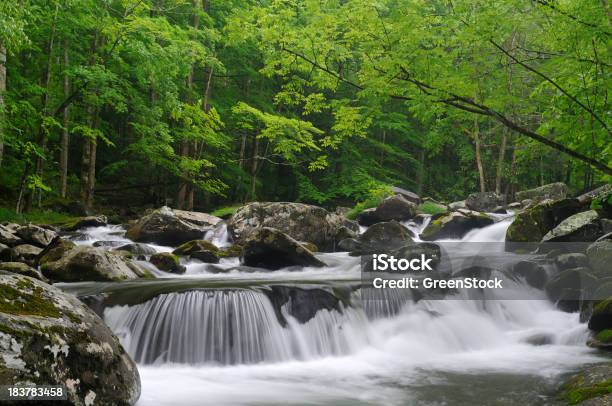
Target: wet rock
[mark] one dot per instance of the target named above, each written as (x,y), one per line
(208,257)
(48,337)
(569,287)
(195,246)
(590,387)
(539,339)
(84,222)
(82,263)
(601,340)
(554,191)
(55,250)
(21,269)
(35,235)
(533,223)
(601,318)
(600,257)
(406,194)
(534,274)
(483,201)
(108,244)
(392,208)
(8,236)
(231,251)
(137,249)
(571,260)
(164,261)
(5,252)
(300,303)
(455,225)
(171,227)
(380,237)
(579,227)
(272,249)
(301,222)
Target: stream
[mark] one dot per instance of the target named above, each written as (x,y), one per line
(214,336)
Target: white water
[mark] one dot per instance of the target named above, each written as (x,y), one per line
(228,347)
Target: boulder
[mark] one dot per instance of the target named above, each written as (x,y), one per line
(35,235)
(455,225)
(590,387)
(272,249)
(380,237)
(22,269)
(55,250)
(568,287)
(301,222)
(579,227)
(554,191)
(164,261)
(483,201)
(194,246)
(534,274)
(457,205)
(208,257)
(8,236)
(108,244)
(82,263)
(84,222)
(171,227)
(571,260)
(137,249)
(406,194)
(26,253)
(587,198)
(392,208)
(601,318)
(48,337)
(533,223)
(601,340)
(599,255)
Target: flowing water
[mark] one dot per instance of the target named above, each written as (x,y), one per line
(231,346)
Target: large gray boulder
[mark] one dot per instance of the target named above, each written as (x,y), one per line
(585,226)
(455,225)
(66,263)
(301,222)
(381,237)
(533,223)
(48,337)
(171,227)
(599,255)
(272,249)
(392,208)
(88,221)
(406,194)
(22,269)
(483,201)
(8,236)
(554,191)
(36,235)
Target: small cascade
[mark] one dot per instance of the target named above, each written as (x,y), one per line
(229,327)
(219,235)
(90,235)
(417,227)
(496,232)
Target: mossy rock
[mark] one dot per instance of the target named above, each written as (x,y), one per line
(193,246)
(595,382)
(601,319)
(165,261)
(532,224)
(48,337)
(22,269)
(231,251)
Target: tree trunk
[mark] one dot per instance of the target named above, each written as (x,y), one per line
(88,162)
(2,90)
(500,160)
(65,134)
(254,165)
(421,172)
(481,175)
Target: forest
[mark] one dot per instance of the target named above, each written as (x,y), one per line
(204,104)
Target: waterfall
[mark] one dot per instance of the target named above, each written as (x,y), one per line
(229,327)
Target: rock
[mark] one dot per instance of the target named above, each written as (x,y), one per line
(301,222)
(514,206)
(590,387)
(539,339)
(600,257)
(455,225)
(137,249)
(35,235)
(5,252)
(457,205)
(554,191)
(569,287)
(499,210)
(406,194)
(601,318)
(525,203)
(231,251)
(580,227)
(300,303)
(164,261)
(108,244)
(84,222)
(392,208)
(533,223)
(587,198)
(21,269)
(571,260)
(208,257)
(8,236)
(380,237)
(605,237)
(82,263)
(272,249)
(26,253)
(483,201)
(535,275)
(171,227)
(48,337)
(601,340)
(55,250)
(194,246)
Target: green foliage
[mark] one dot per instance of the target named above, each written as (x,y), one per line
(430,208)
(35,216)
(375,197)
(226,211)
